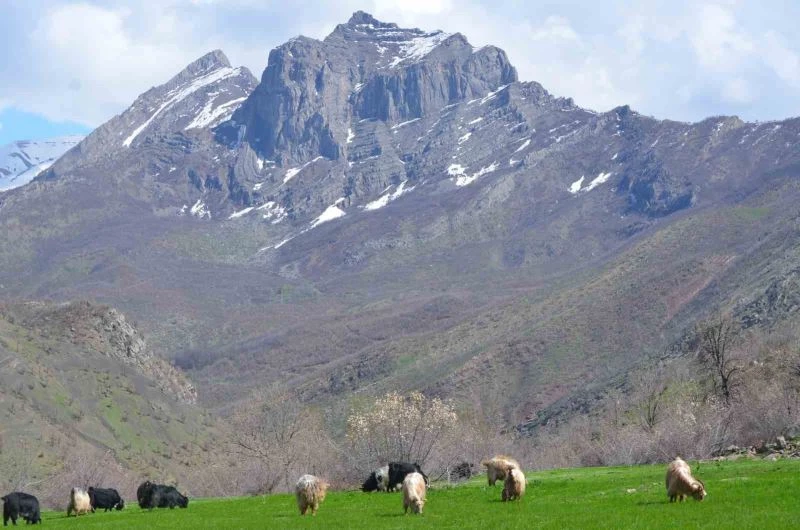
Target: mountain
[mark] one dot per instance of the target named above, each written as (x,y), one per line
(21,161)
(391,208)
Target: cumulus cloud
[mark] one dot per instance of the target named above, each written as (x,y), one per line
(718,41)
(86,60)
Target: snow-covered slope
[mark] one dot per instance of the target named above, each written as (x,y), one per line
(21,161)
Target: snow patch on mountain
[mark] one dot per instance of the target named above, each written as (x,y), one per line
(599,179)
(199,210)
(179,93)
(240,213)
(291,173)
(389,197)
(418,47)
(575,187)
(272,211)
(523,146)
(211,116)
(21,161)
(331,212)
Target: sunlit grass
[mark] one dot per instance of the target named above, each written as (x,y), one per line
(743,494)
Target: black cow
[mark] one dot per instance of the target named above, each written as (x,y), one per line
(161,496)
(23,505)
(398,472)
(143,492)
(462,471)
(107,499)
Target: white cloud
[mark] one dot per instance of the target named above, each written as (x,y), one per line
(92,53)
(785,62)
(718,41)
(555,28)
(87,60)
(424,7)
(737,90)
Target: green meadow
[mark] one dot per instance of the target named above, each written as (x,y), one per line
(742,494)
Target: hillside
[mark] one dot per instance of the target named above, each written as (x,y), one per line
(79,381)
(392,208)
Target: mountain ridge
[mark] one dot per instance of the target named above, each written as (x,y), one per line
(415,218)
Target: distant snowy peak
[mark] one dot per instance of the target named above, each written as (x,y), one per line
(204,94)
(21,161)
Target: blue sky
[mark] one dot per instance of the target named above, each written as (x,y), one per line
(67,66)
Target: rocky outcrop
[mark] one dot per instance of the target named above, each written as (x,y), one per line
(105,330)
(781,447)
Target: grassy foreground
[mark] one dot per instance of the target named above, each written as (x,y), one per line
(743,494)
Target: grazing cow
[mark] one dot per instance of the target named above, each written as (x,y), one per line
(496,467)
(161,496)
(143,492)
(377,480)
(18,504)
(106,499)
(681,483)
(414,492)
(514,485)
(310,492)
(398,472)
(79,502)
(462,471)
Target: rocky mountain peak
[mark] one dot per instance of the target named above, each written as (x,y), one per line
(362,17)
(212,60)
(313,91)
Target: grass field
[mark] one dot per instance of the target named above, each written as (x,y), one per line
(743,494)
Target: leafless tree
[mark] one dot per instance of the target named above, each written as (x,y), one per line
(649,389)
(719,339)
(279,433)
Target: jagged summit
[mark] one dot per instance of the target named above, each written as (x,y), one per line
(210,61)
(312,92)
(364,18)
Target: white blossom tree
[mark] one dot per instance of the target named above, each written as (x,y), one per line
(399,428)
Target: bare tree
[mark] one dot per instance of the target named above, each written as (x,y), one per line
(718,341)
(649,389)
(279,433)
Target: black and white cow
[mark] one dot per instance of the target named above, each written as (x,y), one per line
(22,505)
(377,480)
(106,499)
(398,472)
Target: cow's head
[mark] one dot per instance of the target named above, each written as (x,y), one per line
(371,484)
(699,490)
(120,504)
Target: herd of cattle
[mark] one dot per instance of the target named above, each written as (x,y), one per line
(310,490)
(24,506)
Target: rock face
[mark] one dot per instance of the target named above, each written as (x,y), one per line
(313,91)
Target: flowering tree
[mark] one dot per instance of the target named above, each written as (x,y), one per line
(399,428)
